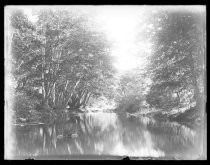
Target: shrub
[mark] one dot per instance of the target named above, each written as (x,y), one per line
(23,106)
(130,103)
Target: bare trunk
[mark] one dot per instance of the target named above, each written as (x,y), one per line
(61,100)
(87,100)
(53,95)
(84,99)
(66,92)
(43,79)
(177,93)
(67,83)
(77,102)
(83,94)
(69,98)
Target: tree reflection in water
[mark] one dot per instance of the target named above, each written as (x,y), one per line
(108,134)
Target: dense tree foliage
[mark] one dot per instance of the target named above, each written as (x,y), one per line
(63,59)
(177,65)
(132,89)
(59,59)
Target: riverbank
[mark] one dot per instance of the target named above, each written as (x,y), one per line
(179,115)
(51,115)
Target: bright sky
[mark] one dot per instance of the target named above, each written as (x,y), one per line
(30,14)
(121,24)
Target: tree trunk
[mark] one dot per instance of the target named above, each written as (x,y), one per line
(43,79)
(197,97)
(177,93)
(69,98)
(86,100)
(54,95)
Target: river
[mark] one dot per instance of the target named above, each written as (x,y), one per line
(111,134)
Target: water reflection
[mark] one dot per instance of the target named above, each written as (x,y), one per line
(109,134)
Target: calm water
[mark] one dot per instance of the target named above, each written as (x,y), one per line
(109,134)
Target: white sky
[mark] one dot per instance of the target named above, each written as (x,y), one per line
(122,26)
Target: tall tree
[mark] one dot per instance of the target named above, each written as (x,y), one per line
(60,58)
(178,62)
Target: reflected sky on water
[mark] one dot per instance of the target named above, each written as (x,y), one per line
(109,134)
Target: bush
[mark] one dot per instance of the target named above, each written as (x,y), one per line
(23,106)
(130,103)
